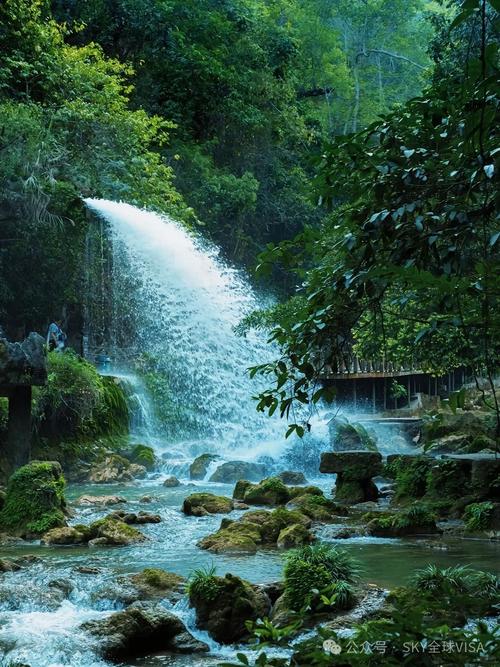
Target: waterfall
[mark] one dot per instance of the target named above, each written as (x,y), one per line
(175,304)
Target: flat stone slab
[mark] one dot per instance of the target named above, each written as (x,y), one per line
(358,464)
(407,458)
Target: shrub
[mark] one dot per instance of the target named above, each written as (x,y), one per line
(78,402)
(310,570)
(417,515)
(477,516)
(434,579)
(410,477)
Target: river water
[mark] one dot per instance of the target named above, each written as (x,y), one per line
(42,605)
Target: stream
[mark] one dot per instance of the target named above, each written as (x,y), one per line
(42,605)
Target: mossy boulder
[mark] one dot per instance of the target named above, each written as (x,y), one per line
(449,479)
(171,482)
(270,491)
(354,470)
(318,508)
(199,467)
(65,536)
(113,532)
(143,455)
(115,468)
(225,614)
(142,629)
(154,582)
(232,471)
(200,504)
(241,488)
(293,536)
(237,537)
(416,520)
(290,477)
(254,529)
(34,501)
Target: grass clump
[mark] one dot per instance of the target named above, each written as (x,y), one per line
(204,584)
(477,516)
(315,570)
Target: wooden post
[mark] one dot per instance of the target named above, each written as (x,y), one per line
(18,446)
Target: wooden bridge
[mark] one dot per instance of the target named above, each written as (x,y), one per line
(367,385)
(22,366)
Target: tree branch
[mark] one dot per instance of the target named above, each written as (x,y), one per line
(397,56)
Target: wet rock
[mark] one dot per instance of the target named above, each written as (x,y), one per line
(254,529)
(318,508)
(141,629)
(371,599)
(346,436)
(270,491)
(294,536)
(199,467)
(156,583)
(23,363)
(354,471)
(103,501)
(291,477)
(115,468)
(142,455)
(171,482)
(228,604)
(131,518)
(240,489)
(450,444)
(111,531)
(8,565)
(64,585)
(34,501)
(416,520)
(232,471)
(87,569)
(200,504)
(240,506)
(64,536)
(273,590)
(146,499)
(237,537)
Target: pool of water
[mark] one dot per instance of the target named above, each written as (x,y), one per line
(42,629)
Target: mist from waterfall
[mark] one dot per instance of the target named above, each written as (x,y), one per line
(175,306)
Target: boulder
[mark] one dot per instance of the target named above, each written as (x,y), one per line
(237,537)
(240,489)
(115,468)
(454,443)
(156,583)
(415,520)
(224,607)
(65,535)
(142,455)
(34,502)
(200,504)
(270,491)
(142,629)
(317,508)
(111,531)
(293,536)
(199,467)
(291,477)
(255,529)
(171,482)
(131,518)
(232,471)
(354,471)
(103,501)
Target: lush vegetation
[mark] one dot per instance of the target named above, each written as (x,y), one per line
(405,267)
(206,110)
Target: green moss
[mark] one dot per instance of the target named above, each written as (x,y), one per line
(204,584)
(270,491)
(447,479)
(158,578)
(34,501)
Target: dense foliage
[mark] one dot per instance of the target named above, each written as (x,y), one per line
(231,98)
(406,267)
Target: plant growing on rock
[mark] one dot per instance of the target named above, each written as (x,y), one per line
(312,571)
(477,516)
(203,583)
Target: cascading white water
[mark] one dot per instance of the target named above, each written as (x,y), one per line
(178,304)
